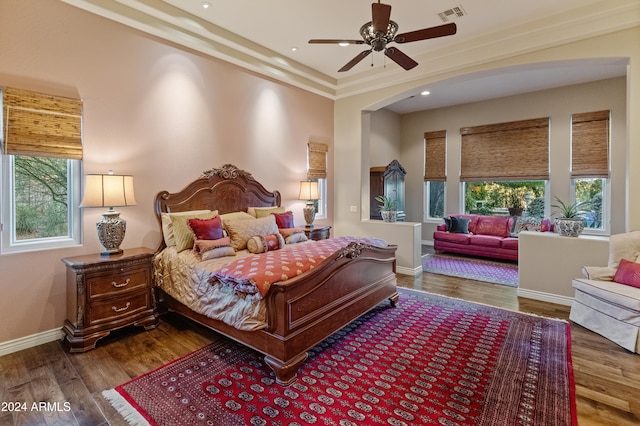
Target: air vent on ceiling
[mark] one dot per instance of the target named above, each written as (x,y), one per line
(452,14)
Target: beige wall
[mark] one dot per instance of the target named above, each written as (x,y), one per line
(352,126)
(558,104)
(151,110)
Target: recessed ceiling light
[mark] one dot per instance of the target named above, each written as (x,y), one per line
(294,48)
(343,44)
(425,93)
(206,5)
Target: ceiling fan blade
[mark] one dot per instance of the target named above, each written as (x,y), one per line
(400,58)
(427,33)
(381,14)
(355,60)
(334,41)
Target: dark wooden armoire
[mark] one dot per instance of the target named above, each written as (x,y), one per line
(389,181)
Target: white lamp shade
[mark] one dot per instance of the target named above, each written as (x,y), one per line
(108,191)
(309,191)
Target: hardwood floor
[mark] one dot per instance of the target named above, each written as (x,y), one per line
(607,376)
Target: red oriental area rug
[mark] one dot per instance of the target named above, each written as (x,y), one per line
(431,360)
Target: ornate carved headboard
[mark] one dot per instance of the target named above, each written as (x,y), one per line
(226,189)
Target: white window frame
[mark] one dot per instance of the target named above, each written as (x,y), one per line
(426,190)
(322,202)
(7,214)
(606,207)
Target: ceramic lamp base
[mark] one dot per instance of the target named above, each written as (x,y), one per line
(111,230)
(309,212)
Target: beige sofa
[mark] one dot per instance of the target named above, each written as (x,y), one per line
(607,307)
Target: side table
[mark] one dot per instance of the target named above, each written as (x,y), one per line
(317,232)
(105,293)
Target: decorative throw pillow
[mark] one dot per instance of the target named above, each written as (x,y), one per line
(284,220)
(459,225)
(218,252)
(201,246)
(290,231)
(241,230)
(262,244)
(628,273)
(447,223)
(526,223)
(206,229)
(182,233)
(236,216)
(167,227)
(297,237)
(259,212)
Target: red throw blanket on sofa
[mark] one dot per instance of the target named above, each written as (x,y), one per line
(256,273)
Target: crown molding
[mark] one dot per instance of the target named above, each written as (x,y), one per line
(167,22)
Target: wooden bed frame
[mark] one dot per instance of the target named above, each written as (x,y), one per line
(302,311)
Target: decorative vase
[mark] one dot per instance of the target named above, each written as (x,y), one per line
(389,215)
(569,227)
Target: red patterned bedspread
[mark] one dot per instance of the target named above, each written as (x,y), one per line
(256,273)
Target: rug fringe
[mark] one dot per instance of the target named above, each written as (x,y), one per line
(130,414)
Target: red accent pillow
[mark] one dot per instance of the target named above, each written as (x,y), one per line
(207,229)
(284,220)
(628,273)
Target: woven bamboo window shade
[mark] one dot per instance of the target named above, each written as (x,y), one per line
(41,125)
(517,150)
(317,157)
(435,156)
(590,144)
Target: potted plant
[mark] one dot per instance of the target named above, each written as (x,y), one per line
(570,220)
(387,208)
(516,203)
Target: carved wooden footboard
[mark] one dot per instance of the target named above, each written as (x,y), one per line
(301,311)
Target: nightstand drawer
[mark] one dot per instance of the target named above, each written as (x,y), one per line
(107,284)
(121,307)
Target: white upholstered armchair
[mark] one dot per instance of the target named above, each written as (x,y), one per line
(607,307)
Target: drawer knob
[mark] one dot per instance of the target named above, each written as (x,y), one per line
(121,309)
(124,284)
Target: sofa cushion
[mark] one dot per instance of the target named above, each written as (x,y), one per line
(459,225)
(618,294)
(485,240)
(493,225)
(451,237)
(510,243)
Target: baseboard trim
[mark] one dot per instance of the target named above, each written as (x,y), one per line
(545,297)
(409,271)
(27,342)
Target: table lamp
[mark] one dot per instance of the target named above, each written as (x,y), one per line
(309,192)
(111,191)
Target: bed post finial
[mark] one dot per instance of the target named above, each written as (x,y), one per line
(227,171)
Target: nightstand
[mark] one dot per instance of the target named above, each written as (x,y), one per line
(105,293)
(317,232)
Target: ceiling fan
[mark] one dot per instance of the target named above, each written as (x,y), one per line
(381,31)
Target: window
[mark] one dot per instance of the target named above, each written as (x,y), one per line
(40,171)
(593,192)
(435,175)
(317,172)
(499,198)
(434,199)
(590,135)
